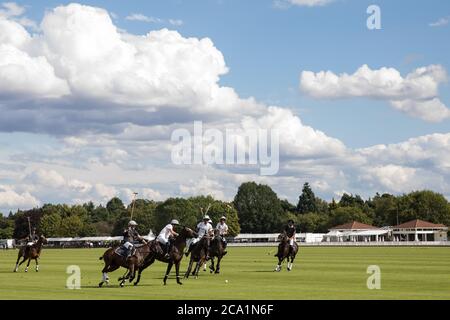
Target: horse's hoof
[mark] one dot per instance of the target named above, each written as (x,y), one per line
(100,284)
(217,272)
(122,285)
(180,283)
(135,284)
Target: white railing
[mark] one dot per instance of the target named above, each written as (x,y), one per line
(349,244)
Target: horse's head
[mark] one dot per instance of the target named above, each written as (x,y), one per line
(43,239)
(188,233)
(283,237)
(216,234)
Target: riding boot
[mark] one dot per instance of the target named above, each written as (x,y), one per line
(167,250)
(291,250)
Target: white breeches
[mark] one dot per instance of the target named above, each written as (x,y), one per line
(128,245)
(162,240)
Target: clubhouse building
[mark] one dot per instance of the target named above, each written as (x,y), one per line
(412,231)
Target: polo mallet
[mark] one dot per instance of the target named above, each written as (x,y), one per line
(134,203)
(29,227)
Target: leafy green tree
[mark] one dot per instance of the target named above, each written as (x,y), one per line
(288,207)
(333,205)
(307,200)
(349,200)
(344,215)
(144,214)
(50,225)
(71,226)
(116,209)
(21,229)
(425,205)
(386,210)
(312,222)
(259,208)
(6,227)
(175,208)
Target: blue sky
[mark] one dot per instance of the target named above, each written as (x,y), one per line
(266,49)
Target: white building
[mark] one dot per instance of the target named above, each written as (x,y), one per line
(418,230)
(357,232)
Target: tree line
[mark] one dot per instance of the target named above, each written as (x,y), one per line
(256,208)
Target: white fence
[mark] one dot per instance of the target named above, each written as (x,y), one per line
(348,244)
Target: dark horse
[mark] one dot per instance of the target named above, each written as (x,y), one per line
(216,249)
(198,255)
(284,252)
(114,261)
(29,253)
(175,256)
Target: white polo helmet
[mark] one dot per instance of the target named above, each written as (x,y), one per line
(132,223)
(175,222)
(223,218)
(206,217)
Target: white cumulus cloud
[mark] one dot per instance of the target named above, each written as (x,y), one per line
(416,94)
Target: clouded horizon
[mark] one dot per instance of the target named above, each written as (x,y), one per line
(90,94)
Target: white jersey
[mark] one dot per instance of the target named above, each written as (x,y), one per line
(223,228)
(165,233)
(203,229)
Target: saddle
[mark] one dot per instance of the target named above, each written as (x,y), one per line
(121,251)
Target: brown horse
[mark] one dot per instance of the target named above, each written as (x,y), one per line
(216,249)
(30,253)
(284,252)
(198,255)
(114,261)
(176,254)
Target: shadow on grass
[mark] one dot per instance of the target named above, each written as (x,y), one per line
(116,286)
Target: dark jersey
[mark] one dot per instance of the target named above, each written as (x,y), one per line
(130,235)
(32,238)
(290,231)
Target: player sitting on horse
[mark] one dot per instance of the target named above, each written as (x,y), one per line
(166,236)
(130,238)
(31,240)
(204,229)
(290,232)
(223,231)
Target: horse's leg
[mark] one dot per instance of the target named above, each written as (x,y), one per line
(138,276)
(177,269)
(28,264)
(17,262)
(132,272)
(37,264)
(142,269)
(198,266)
(169,267)
(105,278)
(211,267)
(278,267)
(189,269)
(124,278)
(219,258)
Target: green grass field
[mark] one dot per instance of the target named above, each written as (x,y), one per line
(319,273)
